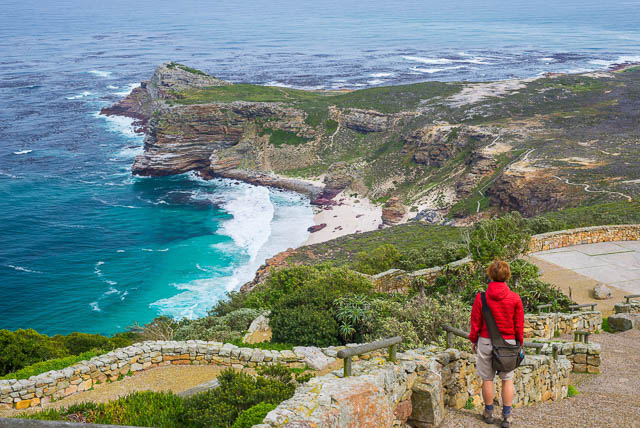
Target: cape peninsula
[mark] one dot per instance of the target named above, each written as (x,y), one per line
(434,151)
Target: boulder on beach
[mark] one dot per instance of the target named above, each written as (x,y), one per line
(602,292)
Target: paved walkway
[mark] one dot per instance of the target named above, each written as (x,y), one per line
(576,270)
(610,399)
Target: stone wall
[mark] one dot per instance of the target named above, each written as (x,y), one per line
(584,357)
(585,235)
(396,280)
(414,391)
(41,389)
(546,325)
(633,307)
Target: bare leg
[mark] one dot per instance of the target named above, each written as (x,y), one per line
(507,392)
(488,392)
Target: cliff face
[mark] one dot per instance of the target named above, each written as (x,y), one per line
(412,143)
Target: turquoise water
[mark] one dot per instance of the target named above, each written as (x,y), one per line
(87,247)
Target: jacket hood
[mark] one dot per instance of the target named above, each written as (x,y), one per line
(497,291)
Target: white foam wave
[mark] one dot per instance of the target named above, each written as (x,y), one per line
(546,59)
(22,152)
(100,73)
(127,89)
(6,174)
(628,58)
(382,74)
(111,291)
(95,307)
(77,97)
(112,87)
(436,70)
(120,251)
(376,81)
(443,61)
(265,222)
(124,126)
(23,269)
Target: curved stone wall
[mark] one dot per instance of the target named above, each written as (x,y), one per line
(113,366)
(585,235)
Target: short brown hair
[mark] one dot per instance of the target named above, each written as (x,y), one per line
(499,271)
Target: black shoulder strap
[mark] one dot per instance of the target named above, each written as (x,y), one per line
(496,337)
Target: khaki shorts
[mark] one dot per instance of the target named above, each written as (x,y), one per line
(484,366)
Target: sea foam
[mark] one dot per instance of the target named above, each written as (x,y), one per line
(264,222)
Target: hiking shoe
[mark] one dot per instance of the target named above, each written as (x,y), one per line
(506,421)
(487,416)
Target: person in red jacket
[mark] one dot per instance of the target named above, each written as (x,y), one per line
(506,307)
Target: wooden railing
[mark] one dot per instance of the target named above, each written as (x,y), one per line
(452,331)
(584,305)
(348,354)
(631,296)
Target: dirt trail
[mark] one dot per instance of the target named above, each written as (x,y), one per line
(610,399)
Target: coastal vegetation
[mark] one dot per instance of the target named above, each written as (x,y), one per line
(21,349)
(240,401)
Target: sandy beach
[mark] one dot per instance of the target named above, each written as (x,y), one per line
(349,215)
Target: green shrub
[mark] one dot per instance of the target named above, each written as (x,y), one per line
(237,392)
(304,326)
(503,237)
(227,328)
(234,300)
(605,326)
(379,260)
(428,257)
(419,319)
(254,415)
(572,391)
(330,126)
(23,348)
(45,366)
(157,409)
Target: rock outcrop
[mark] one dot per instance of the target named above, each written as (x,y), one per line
(435,144)
(393,211)
(531,192)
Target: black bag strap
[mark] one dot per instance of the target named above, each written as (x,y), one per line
(496,337)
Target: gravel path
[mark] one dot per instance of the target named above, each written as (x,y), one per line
(611,399)
(169,378)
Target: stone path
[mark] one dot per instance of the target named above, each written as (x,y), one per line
(576,270)
(170,378)
(610,399)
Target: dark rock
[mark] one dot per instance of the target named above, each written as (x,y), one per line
(317,227)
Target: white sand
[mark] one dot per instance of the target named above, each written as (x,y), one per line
(353,215)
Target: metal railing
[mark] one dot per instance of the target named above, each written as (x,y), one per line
(631,296)
(348,353)
(451,331)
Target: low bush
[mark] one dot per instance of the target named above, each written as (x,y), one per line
(254,415)
(147,409)
(379,260)
(572,391)
(220,407)
(45,366)
(226,328)
(23,348)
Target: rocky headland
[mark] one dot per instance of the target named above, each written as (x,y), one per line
(434,152)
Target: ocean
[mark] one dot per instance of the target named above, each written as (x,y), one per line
(87,247)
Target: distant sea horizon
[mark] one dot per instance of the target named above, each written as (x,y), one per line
(87,247)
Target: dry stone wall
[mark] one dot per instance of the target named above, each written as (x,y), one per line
(414,391)
(547,325)
(53,385)
(584,357)
(585,235)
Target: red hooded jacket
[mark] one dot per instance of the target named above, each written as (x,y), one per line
(507,310)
